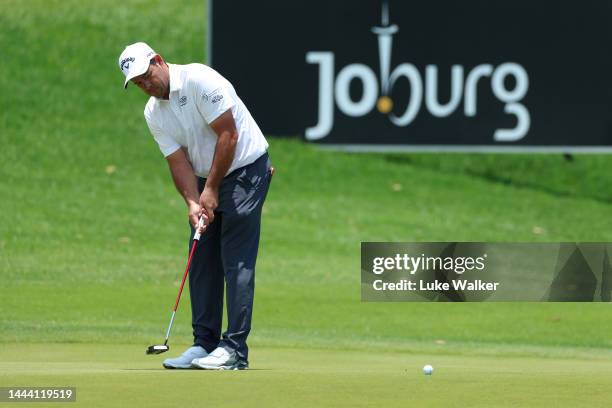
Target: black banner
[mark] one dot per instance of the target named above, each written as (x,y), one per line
(454,75)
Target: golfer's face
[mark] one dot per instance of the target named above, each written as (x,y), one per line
(154,82)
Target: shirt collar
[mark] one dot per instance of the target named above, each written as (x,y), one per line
(176,80)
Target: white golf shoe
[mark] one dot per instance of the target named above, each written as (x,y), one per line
(220,359)
(184,360)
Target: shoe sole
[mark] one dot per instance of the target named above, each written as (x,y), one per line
(175,367)
(220,368)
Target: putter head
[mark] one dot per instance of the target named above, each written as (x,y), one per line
(157,349)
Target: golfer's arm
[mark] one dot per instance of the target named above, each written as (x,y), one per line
(183,177)
(225,128)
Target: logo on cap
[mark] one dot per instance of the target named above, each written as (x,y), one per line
(125,63)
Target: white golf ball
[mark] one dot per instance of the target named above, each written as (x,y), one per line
(428,370)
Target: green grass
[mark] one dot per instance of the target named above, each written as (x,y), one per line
(93,243)
(307,378)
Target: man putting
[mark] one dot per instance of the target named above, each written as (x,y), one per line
(219,163)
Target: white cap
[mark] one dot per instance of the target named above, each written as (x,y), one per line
(135,60)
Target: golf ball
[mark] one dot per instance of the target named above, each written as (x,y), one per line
(428,370)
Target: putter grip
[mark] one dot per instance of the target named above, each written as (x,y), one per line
(197,234)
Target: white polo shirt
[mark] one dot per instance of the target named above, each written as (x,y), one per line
(198,96)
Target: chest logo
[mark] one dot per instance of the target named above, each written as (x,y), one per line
(182,101)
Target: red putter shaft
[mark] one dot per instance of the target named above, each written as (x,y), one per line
(178,298)
(196,238)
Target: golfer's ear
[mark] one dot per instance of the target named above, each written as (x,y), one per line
(225,124)
(157,59)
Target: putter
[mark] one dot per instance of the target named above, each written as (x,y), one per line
(162,348)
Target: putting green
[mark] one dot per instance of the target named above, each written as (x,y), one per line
(92,246)
(122,375)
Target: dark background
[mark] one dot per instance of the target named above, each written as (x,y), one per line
(260,46)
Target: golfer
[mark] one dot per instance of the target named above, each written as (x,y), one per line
(219,163)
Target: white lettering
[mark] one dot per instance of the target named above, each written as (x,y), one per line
(338,90)
(471,87)
(370,90)
(410,72)
(376,267)
(510,98)
(326,101)
(431,94)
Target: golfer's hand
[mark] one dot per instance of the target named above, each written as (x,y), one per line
(195,212)
(209,200)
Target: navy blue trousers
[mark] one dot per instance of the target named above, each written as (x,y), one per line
(227,253)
